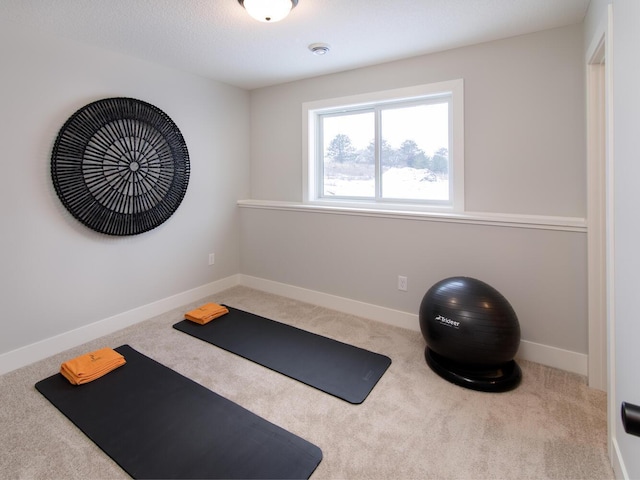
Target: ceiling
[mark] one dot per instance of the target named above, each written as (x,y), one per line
(218,39)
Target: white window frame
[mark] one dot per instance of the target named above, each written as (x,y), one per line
(311,166)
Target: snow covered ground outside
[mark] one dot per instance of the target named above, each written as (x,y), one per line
(398,183)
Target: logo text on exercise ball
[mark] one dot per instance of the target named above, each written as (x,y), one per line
(447,321)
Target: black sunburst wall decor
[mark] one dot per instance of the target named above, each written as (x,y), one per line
(120,166)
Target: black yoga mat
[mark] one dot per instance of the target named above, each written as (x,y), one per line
(342,370)
(156,423)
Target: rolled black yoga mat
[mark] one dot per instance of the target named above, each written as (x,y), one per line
(156,423)
(337,368)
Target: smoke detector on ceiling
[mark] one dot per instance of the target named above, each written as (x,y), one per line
(319,48)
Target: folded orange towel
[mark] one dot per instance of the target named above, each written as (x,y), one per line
(90,366)
(206,313)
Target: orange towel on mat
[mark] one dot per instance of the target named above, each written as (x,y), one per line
(90,366)
(206,313)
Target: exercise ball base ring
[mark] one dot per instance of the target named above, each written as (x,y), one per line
(485,379)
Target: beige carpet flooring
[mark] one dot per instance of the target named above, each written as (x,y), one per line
(413,425)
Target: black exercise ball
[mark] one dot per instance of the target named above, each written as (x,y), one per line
(472,334)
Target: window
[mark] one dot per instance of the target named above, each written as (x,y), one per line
(395,149)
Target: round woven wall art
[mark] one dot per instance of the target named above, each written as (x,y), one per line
(120,166)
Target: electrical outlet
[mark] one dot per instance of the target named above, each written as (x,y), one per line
(212,258)
(402,283)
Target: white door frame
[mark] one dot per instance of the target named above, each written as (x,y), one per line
(597,212)
(600,165)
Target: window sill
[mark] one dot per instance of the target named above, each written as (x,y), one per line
(539,222)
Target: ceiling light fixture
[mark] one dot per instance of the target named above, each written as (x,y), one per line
(268,11)
(319,48)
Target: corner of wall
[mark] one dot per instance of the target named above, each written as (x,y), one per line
(39,350)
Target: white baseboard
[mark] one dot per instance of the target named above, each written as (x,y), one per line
(45,348)
(554,357)
(619,469)
(535,352)
(366,310)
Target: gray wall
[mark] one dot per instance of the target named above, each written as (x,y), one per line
(524,155)
(58,275)
(595,20)
(626,262)
(524,121)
